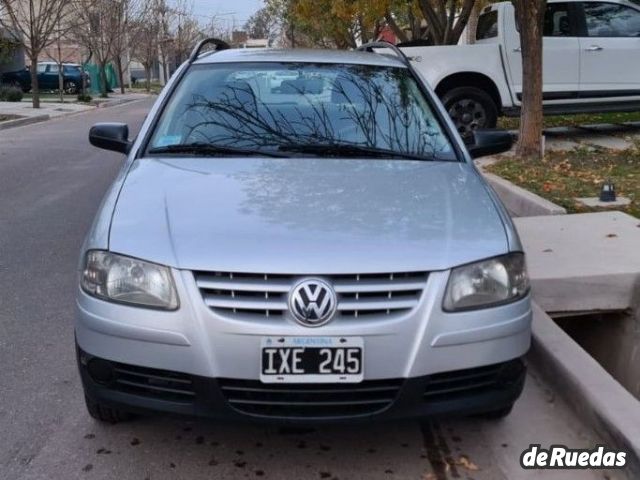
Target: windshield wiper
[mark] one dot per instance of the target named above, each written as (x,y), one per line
(350,150)
(201,148)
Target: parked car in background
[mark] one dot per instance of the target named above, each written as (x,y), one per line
(591,63)
(48,78)
(303,248)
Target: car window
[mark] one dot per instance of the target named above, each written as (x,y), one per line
(42,68)
(557,20)
(611,20)
(487,26)
(53,68)
(265,106)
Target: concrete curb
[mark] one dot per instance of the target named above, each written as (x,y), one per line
(521,202)
(596,396)
(19,122)
(117,102)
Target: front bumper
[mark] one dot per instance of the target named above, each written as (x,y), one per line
(144,390)
(403,354)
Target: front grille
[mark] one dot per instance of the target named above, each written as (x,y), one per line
(255,295)
(473,381)
(310,400)
(151,382)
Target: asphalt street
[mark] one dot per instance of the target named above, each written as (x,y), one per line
(51,183)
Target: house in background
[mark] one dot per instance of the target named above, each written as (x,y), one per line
(12,55)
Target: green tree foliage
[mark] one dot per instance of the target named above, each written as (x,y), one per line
(341,22)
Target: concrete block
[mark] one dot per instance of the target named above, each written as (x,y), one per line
(594,202)
(584,262)
(606,141)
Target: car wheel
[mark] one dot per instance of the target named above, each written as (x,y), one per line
(498,414)
(471,109)
(70,87)
(105,414)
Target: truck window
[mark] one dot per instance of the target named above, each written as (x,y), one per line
(487,26)
(611,20)
(557,20)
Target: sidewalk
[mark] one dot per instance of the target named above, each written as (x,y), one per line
(49,110)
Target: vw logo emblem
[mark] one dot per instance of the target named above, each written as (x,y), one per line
(313,302)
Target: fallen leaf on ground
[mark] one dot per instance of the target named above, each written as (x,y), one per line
(468,464)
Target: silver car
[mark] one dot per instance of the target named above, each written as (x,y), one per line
(300,236)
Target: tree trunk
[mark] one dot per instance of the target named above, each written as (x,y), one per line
(120,73)
(472,26)
(35,88)
(530,16)
(103,79)
(147,71)
(61,82)
(398,32)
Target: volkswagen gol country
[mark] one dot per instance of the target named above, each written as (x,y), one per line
(300,236)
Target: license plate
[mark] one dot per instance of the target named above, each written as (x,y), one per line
(312,360)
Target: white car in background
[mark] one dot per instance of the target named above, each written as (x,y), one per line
(591,63)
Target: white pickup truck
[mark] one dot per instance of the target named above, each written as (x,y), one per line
(591,63)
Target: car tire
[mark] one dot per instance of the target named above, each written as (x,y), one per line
(70,87)
(471,109)
(498,414)
(106,414)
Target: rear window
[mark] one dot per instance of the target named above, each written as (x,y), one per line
(487,25)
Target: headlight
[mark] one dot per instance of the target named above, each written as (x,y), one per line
(487,283)
(128,280)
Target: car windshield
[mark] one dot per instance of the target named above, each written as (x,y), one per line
(310,109)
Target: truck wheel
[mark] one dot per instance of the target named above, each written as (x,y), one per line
(471,109)
(70,87)
(105,414)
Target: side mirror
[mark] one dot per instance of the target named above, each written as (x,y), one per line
(490,142)
(110,136)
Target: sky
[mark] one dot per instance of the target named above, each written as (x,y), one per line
(232,12)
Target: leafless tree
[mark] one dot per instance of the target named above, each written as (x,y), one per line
(95,26)
(128,18)
(184,29)
(33,23)
(145,43)
(56,53)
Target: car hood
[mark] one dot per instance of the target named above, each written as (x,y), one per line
(305,215)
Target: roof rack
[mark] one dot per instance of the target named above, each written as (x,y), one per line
(220,45)
(368,47)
